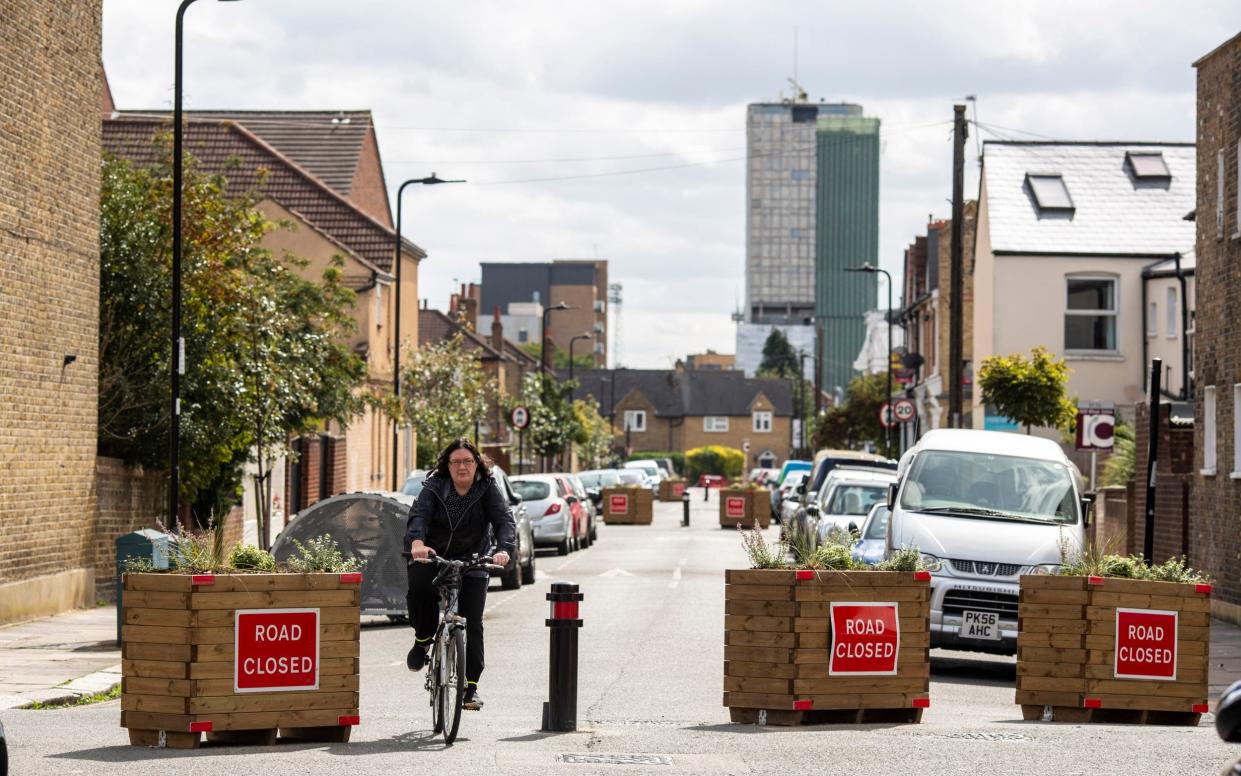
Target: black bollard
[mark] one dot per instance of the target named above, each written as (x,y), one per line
(560,711)
(706,491)
(685,508)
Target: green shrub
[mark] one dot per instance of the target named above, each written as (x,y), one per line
(247,557)
(1096,562)
(714,459)
(761,554)
(904,559)
(321,555)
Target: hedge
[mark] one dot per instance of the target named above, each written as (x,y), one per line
(714,459)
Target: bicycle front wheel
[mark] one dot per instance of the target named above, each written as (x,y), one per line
(453,685)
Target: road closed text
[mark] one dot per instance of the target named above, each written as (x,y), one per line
(277,650)
(1145,644)
(865,639)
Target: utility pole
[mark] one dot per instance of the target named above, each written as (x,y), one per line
(818,368)
(955,335)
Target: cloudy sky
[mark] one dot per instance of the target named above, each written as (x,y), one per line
(618,130)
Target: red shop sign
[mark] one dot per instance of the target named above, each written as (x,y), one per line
(276,650)
(734,506)
(1145,644)
(866,638)
(618,504)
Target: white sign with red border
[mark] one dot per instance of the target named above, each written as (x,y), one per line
(276,650)
(1145,645)
(866,638)
(734,506)
(618,504)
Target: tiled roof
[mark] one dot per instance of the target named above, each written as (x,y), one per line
(227,148)
(1114,213)
(692,392)
(435,326)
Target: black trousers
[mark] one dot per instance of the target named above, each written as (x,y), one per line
(424,610)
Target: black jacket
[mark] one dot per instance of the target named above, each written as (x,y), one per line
(488,520)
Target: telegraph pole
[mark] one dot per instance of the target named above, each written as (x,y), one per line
(955,335)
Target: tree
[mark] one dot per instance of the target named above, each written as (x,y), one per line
(779,358)
(855,422)
(1032,392)
(447,393)
(594,437)
(552,419)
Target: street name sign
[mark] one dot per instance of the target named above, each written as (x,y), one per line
(276,650)
(1145,645)
(866,638)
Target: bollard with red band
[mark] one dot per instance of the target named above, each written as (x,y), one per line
(560,711)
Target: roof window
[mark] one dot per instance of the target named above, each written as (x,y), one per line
(1147,165)
(1049,191)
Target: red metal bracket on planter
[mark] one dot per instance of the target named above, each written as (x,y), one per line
(920,703)
(806,705)
(922,576)
(1200,708)
(349,719)
(202,727)
(1092,703)
(1094,580)
(804,574)
(1203,588)
(202,579)
(351,578)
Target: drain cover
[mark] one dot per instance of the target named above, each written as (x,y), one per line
(978,735)
(616,759)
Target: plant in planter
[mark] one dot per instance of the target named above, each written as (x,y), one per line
(745,505)
(628,504)
(236,647)
(821,639)
(1113,639)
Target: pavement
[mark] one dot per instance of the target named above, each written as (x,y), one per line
(57,659)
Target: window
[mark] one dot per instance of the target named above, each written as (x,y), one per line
(715,423)
(1049,192)
(379,306)
(1236,431)
(1147,165)
(1208,431)
(523,336)
(1219,194)
(1170,327)
(1152,320)
(762,422)
(635,420)
(1090,315)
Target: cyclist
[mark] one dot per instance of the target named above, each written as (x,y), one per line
(456,515)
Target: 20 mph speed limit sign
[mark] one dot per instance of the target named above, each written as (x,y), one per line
(520,418)
(903,410)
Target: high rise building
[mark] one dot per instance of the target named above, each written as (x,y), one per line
(524,290)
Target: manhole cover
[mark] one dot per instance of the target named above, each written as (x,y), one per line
(979,735)
(616,759)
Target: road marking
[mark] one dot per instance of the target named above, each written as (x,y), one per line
(616,573)
(676,576)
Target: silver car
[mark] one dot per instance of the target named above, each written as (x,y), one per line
(550,517)
(846,498)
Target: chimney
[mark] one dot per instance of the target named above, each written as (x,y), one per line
(467,308)
(497,330)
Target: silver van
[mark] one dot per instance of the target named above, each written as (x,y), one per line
(984,507)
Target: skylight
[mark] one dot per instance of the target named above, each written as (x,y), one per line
(1147,165)
(1049,191)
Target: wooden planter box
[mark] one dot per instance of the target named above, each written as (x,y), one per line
(1068,649)
(671,490)
(745,507)
(180,668)
(779,642)
(628,506)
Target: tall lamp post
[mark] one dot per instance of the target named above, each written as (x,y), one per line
(177,362)
(585,336)
(544,350)
(870,268)
(432,180)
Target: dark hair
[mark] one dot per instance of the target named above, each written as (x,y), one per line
(481,468)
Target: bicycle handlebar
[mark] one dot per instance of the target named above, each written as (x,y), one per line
(477,562)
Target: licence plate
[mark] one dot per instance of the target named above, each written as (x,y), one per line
(980,625)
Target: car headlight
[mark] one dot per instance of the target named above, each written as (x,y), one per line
(1046,568)
(932,563)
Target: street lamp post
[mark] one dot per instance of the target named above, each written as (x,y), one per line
(544,350)
(177,362)
(585,336)
(870,268)
(432,180)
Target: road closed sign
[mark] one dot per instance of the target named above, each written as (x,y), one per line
(1145,644)
(734,506)
(618,504)
(866,638)
(276,650)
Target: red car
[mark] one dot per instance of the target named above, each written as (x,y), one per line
(711,481)
(581,521)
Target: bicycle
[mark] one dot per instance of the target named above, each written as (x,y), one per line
(445,680)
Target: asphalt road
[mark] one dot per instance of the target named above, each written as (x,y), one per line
(650,686)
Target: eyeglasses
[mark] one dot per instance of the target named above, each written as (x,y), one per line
(467,462)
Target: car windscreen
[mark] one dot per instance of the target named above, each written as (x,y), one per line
(413,486)
(877,528)
(591,479)
(850,499)
(532,490)
(967,484)
(631,477)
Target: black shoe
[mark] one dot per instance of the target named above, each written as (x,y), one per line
(472,700)
(417,657)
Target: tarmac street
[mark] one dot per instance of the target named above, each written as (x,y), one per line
(650,692)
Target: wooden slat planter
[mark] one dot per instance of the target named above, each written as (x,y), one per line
(671,490)
(745,508)
(1067,648)
(628,506)
(778,641)
(179,649)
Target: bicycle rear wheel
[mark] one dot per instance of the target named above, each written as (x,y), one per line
(453,686)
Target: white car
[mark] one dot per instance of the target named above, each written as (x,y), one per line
(650,470)
(789,496)
(551,520)
(846,498)
(984,507)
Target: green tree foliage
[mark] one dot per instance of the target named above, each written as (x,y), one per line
(779,358)
(1032,392)
(1121,463)
(714,459)
(552,419)
(593,441)
(448,392)
(855,422)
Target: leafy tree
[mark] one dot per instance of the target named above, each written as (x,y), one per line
(779,358)
(855,421)
(594,436)
(1121,463)
(1032,392)
(553,422)
(448,393)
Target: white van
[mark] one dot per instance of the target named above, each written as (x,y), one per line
(984,507)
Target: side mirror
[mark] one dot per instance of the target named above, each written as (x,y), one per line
(852,527)
(801,487)
(571,499)
(892,496)
(514,500)
(813,510)
(1088,502)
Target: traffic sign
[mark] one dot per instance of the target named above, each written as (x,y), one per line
(1096,428)
(1145,645)
(276,650)
(734,506)
(866,638)
(904,410)
(885,416)
(520,418)
(618,504)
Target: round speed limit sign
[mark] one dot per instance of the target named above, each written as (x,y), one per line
(520,418)
(904,410)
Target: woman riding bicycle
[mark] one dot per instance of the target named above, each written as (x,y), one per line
(456,516)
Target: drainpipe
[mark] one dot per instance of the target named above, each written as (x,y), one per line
(1145,337)
(1180,276)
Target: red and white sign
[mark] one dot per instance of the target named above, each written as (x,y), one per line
(1096,428)
(734,506)
(904,410)
(886,418)
(1145,644)
(678,489)
(276,650)
(618,504)
(866,638)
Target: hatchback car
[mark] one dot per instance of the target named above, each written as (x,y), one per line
(846,498)
(873,538)
(590,505)
(596,480)
(579,508)
(550,517)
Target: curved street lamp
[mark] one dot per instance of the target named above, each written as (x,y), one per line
(871,269)
(585,336)
(544,351)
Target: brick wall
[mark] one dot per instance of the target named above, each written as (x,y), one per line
(1174,486)
(1215,523)
(49,285)
(129,499)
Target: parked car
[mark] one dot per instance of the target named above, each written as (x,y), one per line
(873,539)
(413,485)
(985,507)
(632,477)
(711,481)
(824,462)
(596,480)
(550,517)
(520,570)
(4,752)
(592,511)
(781,476)
(786,496)
(654,475)
(578,507)
(846,498)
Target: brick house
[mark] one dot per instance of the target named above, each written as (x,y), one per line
(1215,523)
(676,410)
(49,302)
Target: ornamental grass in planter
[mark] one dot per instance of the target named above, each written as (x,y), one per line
(822,639)
(239,648)
(746,506)
(1112,639)
(628,505)
(671,489)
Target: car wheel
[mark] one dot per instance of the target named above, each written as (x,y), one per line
(399,619)
(511,580)
(565,547)
(594,533)
(527,576)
